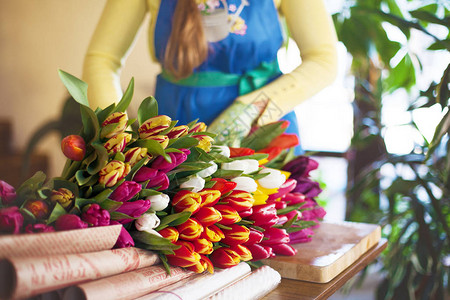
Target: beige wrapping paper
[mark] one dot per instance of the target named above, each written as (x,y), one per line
(35,275)
(254,286)
(200,286)
(62,242)
(128,285)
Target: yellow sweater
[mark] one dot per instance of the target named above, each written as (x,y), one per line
(308,22)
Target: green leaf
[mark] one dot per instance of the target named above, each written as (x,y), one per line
(81,202)
(153,240)
(119,216)
(91,127)
(148,109)
(126,98)
(102,114)
(288,209)
(441,130)
(119,156)
(110,205)
(442,91)
(100,161)
(83,177)
(227,174)
(153,147)
(174,219)
(57,211)
(144,193)
(289,223)
(262,136)
(428,17)
(256,156)
(103,195)
(136,168)
(76,87)
(184,142)
(30,186)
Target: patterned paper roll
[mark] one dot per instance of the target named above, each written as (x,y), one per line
(128,285)
(200,286)
(254,286)
(62,242)
(35,275)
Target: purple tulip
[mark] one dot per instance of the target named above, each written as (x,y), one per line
(133,209)
(300,167)
(69,222)
(124,240)
(125,191)
(145,174)
(176,159)
(39,228)
(307,187)
(11,220)
(160,180)
(96,216)
(313,211)
(7,193)
(301,236)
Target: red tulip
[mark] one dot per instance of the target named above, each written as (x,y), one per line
(243,252)
(185,200)
(73,147)
(239,200)
(170,233)
(203,246)
(236,235)
(236,152)
(254,237)
(275,236)
(183,257)
(259,251)
(203,265)
(190,230)
(223,185)
(208,216)
(209,197)
(283,249)
(246,213)
(225,258)
(229,214)
(213,234)
(38,208)
(264,215)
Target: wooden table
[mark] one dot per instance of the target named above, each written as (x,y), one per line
(303,290)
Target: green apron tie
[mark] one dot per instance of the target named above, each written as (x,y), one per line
(249,81)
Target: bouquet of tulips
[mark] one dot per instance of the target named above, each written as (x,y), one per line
(196,204)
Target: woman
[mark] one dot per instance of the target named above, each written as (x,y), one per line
(234,81)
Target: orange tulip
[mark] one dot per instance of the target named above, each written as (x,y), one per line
(190,230)
(73,147)
(236,235)
(208,216)
(170,233)
(225,258)
(229,214)
(209,197)
(212,233)
(185,200)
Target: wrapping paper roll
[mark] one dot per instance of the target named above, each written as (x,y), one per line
(128,285)
(35,275)
(254,286)
(62,242)
(200,286)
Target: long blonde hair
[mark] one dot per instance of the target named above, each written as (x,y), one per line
(187,47)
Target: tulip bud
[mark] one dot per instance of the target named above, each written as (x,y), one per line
(163,140)
(243,252)
(170,233)
(11,220)
(208,216)
(301,166)
(38,208)
(244,183)
(159,202)
(178,131)
(186,201)
(113,172)
(95,216)
(222,150)
(213,234)
(203,265)
(239,200)
(116,122)
(223,185)
(285,188)
(133,209)
(183,257)
(208,171)
(39,228)
(204,142)
(63,196)
(264,215)
(125,191)
(203,246)
(254,237)
(124,240)
(229,214)
(301,236)
(275,236)
(154,126)
(147,221)
(69,222)
(272,181)
(236,235)
(283,249)
(7,193)
(73,147)
(237,152)
(225,258)
(209,197)
(190,230)
(161,164)
(198,127)
(307,187)
(245,213)
(194,183)
(134,155)
(117,143)
(294,198)
(260,252)
(246,165)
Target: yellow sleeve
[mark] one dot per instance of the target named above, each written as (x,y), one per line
(111,42)
(312,29)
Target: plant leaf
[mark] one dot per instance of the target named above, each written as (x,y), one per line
(57,211)
(148,109)
(76,87)
(126,98)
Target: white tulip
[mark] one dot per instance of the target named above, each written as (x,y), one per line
(159,202)
(195,183)
(154,232)
(223,150)
(246,165)
(245,183)
(208,171)
(147,222)
(272,181)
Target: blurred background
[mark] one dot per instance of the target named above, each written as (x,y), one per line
(380,132)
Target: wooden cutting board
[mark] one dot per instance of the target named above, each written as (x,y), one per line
(334,247)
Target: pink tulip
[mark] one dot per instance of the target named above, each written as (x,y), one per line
(133,209)
(11,220)
(283,249)
(125,191)
(95,216)
(69,222)
(7,193)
